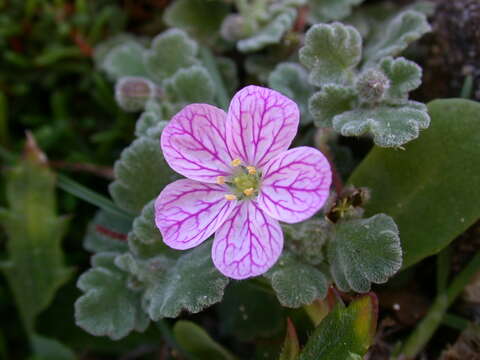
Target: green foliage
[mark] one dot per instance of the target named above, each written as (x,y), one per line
(430,189)
(108,306)
(404,76)
(50,349)
(130,191)
(364,251)
(345,333)
(35,268)
(125,59)
(291,347)
(331,52)
(332,100)
(291,79)
(106,232)
(197,342)
(328,10)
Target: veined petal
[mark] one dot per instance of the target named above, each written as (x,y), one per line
(295,184)
(261,123)
(187,212)
(248,243)
(194,143)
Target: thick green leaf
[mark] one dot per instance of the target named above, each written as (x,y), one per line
(50,349)
(107,232)
(197,342)
(170,51)
(125,59)
(395,34)
(190,283)
(200,18)
(330,101)
(391,126)
(190,85)
(35,268)
(344,332)
(364,251)
(291,79)
(328,10)
(430,189)
(108,306)
(296,283)
(129,190)
(331,52)
(404,76)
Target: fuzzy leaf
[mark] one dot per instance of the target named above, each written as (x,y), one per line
(125,59)
(50,349)
(296,283)
(228,72)
(404,76)
(35,268)
(430,189)
(171,51)
(394,35)
(107,232)
(291,79)
(197,342)
(327,10)
(200,18)
(131,191)
(271,33)
(151,121)
(331,52)
(332,100)
(190,283)
(108,307)
(190,85)
(364,251)
(345,332)
(391,126)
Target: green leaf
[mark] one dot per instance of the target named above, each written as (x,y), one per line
(291,79)
(107,232)
(197,342)
(108,307)
(171,51)
(296,283)
(35,268)
(228,73)
(271,33)
(332,100)
(291,347)
(50,349)
(391,126)
(151,122)
(395,34)
(190,283)
(327,10)
(344,332)
(250,311)
(331,52)
(404,76)
(200,18)
(131,191)
(190,85)
(125,59)
(431,188)
(364,251)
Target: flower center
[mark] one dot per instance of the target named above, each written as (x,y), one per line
(244,183)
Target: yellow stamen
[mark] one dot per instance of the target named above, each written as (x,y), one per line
(220,180)
(248,191)
(236,162)
(230,197)
(251,170)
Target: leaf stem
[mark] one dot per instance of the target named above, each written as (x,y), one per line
(209,62)
(427,327)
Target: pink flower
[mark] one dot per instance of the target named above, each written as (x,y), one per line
(241,180)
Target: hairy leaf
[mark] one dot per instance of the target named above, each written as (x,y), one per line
(228,72)
(291,79)
(404,76)
(327,10)
(331,52)
(345,332)
(190,85)
(391,126)
(108,307)
(131,191)
(364,251)
(124,59)
(107,232)
(171,51)
(430,189)
(332,100)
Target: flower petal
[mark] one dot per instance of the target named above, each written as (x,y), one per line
(248,243)
(295,184)
(187,212)
(261,123)
(194,143)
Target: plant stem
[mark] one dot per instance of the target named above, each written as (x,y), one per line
(170,340)
(209,62)
(427,327)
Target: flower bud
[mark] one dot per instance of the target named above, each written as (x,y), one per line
(132,93)
(372,86)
